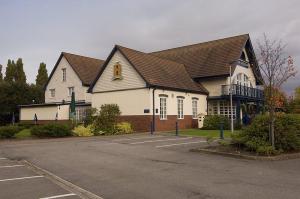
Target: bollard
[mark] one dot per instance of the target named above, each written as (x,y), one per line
(222,130)
(151,128)
(176,124)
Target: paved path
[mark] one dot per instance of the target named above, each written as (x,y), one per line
(159,166)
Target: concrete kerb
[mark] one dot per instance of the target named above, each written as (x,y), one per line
(248,157)
(80,192)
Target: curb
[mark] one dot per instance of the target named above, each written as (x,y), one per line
(249,157)
(80,192)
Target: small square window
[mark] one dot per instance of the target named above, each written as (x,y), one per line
(52,92)
(70,91)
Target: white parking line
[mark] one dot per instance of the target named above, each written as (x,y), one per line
(60,196)
(138,138)
(29,177)
(3,158)
(185,143)
(10,166)
(161,140)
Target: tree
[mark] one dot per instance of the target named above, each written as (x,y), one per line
(276,69)
(42,76)
(10,71)
(297,93)
(1,75)
(20,76)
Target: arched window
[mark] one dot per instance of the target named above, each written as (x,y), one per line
(242,79)
(117,71)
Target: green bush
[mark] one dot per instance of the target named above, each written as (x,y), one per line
(105,120)
(51,130)
(124,128)
(8,131)
(255,137)
(212,122)
(83,131)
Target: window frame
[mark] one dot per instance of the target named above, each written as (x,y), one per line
(52,91)
(163,109)
(194,108)
(70,93)
(64,74)
(180,107)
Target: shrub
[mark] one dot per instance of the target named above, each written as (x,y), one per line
(83,131)
(255,137)
(124,128)
(212,122)
(8,131)
(105,119)
(51,130)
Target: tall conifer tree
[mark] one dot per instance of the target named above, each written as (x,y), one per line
(42,76)
(20,76)
(10,72)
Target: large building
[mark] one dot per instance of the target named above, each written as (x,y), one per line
(159,88)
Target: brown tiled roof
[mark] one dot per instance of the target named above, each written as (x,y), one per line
(208,58)
(85,67)
(161,72)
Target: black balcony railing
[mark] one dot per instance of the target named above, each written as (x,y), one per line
(243,91)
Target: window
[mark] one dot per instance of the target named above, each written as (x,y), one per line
(70,90)
(180,108)
(221,108)
(195,108)
(64,74)
(117,71)
(163,108)
(52,92)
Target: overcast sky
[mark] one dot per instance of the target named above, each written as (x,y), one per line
(38,31)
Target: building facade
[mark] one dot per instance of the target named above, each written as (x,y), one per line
(159,89)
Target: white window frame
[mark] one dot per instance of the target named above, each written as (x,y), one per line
(163,108)
(52,92)
(195,108)
(180,114)
(64,74)
(70,90)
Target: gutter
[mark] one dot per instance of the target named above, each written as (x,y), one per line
(153,109)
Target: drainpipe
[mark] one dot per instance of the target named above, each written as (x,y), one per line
(153,109)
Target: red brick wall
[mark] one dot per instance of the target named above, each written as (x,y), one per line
(141,123)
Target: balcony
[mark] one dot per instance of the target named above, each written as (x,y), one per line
(243,91)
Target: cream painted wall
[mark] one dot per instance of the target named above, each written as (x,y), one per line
(187,102)
(214,86)
(131,79)
(63,112)
(131,102)
(61,88)
(43,113)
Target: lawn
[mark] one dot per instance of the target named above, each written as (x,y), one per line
(205,133)
(25,133)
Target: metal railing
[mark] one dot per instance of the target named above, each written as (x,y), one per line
(244,91)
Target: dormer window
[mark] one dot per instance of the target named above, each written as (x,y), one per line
(64,74)
(117,71)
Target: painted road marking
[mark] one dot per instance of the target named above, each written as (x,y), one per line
(3,158)
(185,143)
(23,178)
(10,166)
(60,196)
(161,140)
(138,138)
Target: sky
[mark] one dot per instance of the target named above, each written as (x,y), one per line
(38,31)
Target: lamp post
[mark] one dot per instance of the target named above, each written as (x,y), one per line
(230,91)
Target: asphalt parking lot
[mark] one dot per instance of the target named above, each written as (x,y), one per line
(19,181)
(145,166)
